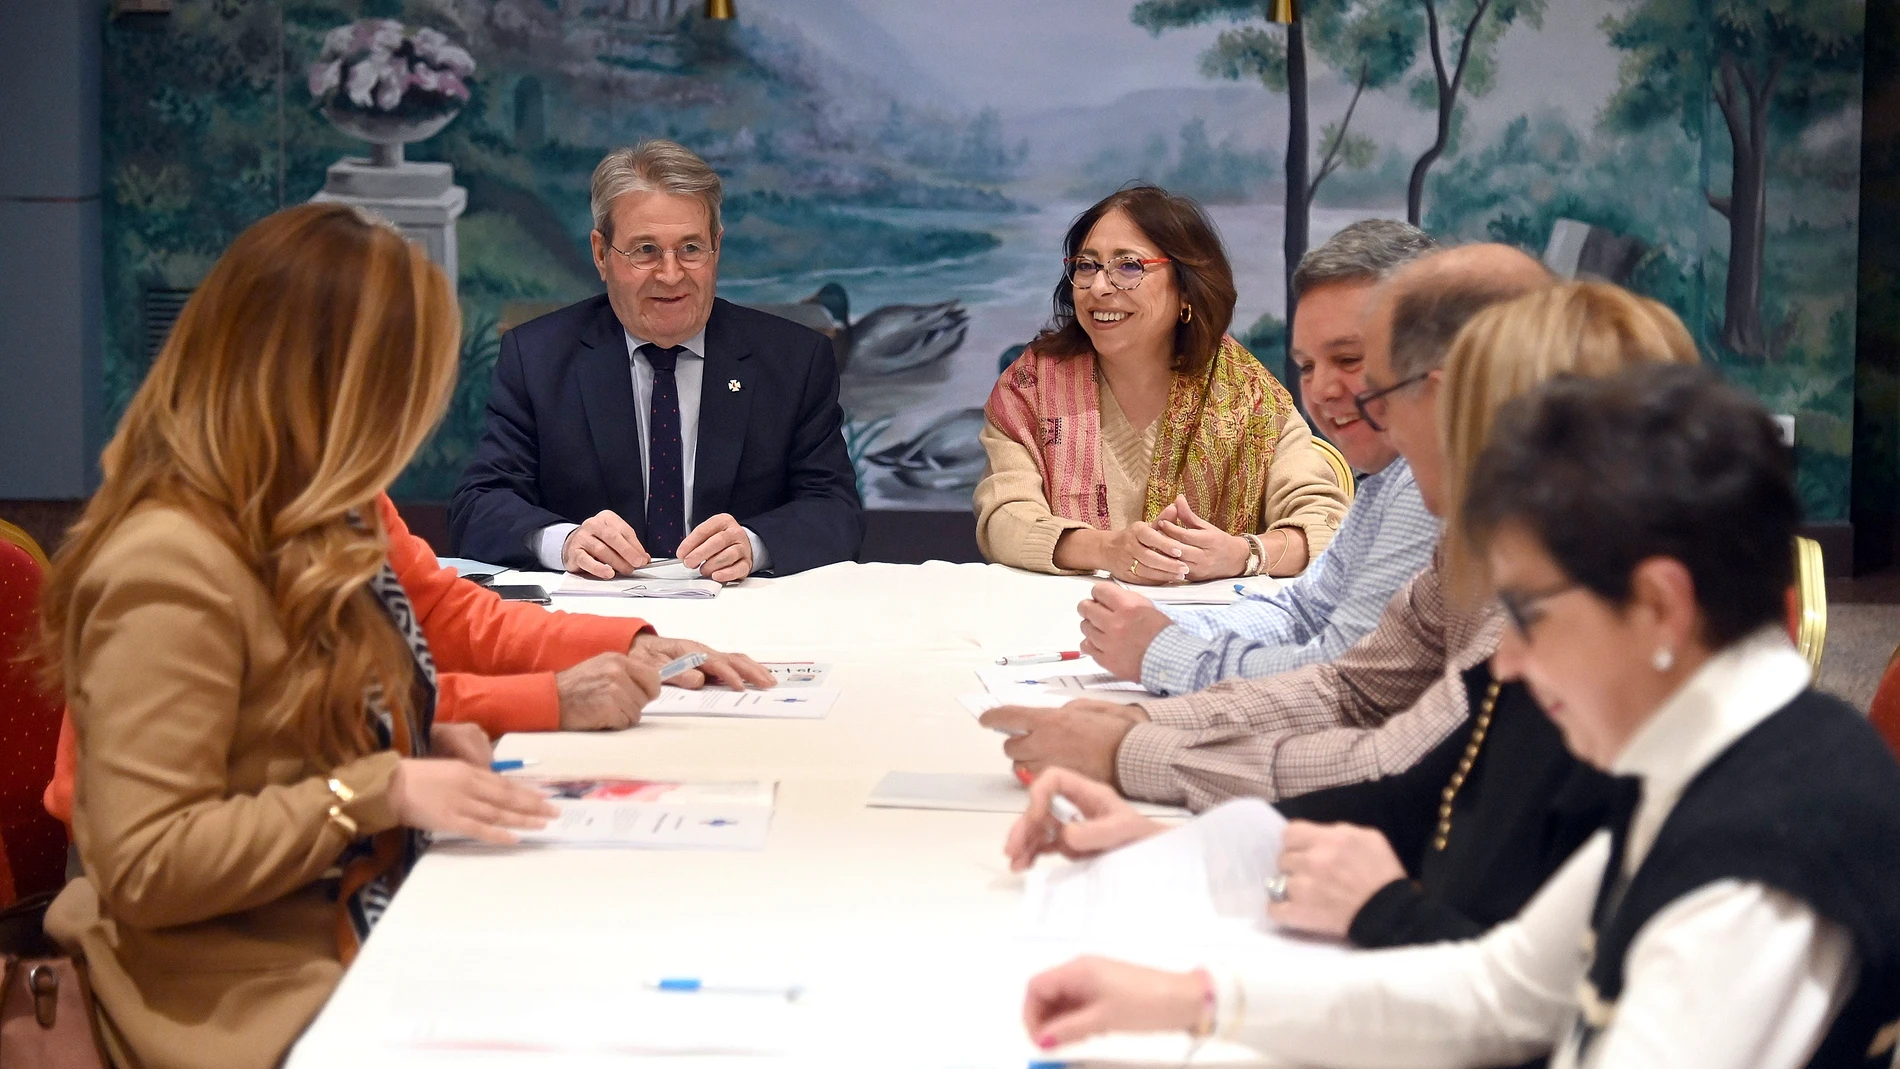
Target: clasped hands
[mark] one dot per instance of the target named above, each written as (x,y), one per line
(605,546)
(1331,871)
(1178,547)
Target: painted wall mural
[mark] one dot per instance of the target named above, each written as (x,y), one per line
(899,174)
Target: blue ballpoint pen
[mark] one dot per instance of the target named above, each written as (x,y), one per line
(694,984)
(510,764)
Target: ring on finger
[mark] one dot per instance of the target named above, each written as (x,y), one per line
(1276,889)
(1134,568)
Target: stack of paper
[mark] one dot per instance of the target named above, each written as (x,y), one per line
(1208,871)
(581,586)
(654,814)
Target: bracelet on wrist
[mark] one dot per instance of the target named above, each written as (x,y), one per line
(1286,546)
(1204,1024)
(343,796)
(1256,555)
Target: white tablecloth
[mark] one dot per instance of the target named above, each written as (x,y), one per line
(902,923)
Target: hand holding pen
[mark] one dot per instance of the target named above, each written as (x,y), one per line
(1070,814)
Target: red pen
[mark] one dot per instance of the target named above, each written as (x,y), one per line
(1025,776)
(1040,658)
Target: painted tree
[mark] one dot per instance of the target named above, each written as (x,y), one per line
(1771,67)
(1370,43)
(1463,67)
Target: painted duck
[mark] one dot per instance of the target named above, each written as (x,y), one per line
(896,337)
(943,456)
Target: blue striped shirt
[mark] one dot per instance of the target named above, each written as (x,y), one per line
(1386,539)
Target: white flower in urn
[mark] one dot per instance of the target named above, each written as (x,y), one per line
(377,80)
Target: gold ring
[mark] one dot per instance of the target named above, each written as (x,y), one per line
(1134,568)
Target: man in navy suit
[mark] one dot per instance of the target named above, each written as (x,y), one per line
(656,419)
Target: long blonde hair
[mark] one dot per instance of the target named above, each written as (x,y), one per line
(1577,328)
(308,367)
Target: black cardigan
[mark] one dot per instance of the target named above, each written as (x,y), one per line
(1525,807)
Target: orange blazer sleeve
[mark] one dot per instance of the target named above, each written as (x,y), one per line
(496,659)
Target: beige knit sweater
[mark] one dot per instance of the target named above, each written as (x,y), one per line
(1014,525)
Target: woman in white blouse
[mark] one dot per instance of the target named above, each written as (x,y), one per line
(1741,909)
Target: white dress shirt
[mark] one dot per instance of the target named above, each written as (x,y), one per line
(689,374)
(1735,974)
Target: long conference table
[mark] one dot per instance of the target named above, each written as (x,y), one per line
(902,925)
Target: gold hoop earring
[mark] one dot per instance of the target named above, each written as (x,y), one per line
(1187,313)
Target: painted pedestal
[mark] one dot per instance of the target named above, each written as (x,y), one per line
(422,199)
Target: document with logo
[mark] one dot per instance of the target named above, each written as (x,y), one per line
(798,673)
(654,814)
(778,703)
(1067,680)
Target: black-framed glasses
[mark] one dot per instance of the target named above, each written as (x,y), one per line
(1364,401)
(1523,607)
(1124,272)
(646,256)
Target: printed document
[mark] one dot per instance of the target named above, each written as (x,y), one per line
(1199,876)
(778,703)
(654,814)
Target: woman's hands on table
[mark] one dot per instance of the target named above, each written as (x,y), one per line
(455,792)
(1107,821)
(1092,995)
(1331,871)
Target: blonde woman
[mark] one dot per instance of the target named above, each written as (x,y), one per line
(251,694)
(1134,436)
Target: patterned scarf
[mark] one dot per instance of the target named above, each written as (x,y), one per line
(374,866)
(1215,443)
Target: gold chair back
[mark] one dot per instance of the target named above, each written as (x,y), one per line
(1342,471)
(10,533)
(1810,583)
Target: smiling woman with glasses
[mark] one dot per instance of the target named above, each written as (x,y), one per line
(1134,436)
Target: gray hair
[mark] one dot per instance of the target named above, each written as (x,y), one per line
(653,166)
(1366,251)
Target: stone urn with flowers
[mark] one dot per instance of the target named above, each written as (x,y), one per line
(386,84)
(377,81)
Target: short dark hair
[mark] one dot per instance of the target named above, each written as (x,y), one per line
(1429,314)
(1184,234)
(1659,460)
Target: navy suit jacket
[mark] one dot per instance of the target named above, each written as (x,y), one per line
(563,440)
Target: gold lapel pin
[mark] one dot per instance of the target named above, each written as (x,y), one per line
(733,385)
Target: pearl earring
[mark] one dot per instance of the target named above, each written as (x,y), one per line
(1664,660)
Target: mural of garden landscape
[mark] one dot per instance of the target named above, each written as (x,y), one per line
(899,174)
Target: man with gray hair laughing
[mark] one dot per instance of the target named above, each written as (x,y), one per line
(1387,536)
(656,420)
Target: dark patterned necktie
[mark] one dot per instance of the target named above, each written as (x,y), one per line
(666,484)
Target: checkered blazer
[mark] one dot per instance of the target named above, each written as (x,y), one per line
(1372,711)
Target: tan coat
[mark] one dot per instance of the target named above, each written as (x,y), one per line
(206,910)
